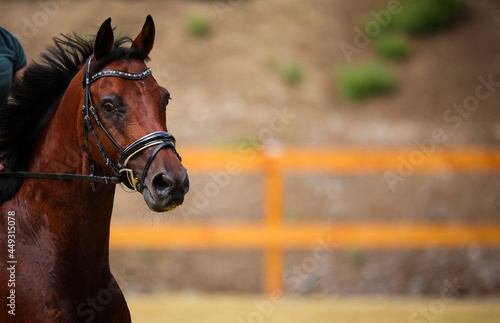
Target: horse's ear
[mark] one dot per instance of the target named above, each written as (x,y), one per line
(146,37)
(104,40)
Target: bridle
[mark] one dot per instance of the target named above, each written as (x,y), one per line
(122,175)
(128,180)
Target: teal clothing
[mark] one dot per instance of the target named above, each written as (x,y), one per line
(12,59)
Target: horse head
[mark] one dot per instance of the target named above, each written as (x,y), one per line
(125,110)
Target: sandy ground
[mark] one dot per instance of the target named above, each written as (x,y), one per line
(229,308)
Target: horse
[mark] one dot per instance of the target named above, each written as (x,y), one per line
(88,116)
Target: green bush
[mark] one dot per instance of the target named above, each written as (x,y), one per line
(394,46)
(292,73)
(359,82)
(198,26)
(426,16)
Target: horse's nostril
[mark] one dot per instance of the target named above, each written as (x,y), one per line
(186,184)
(162,184)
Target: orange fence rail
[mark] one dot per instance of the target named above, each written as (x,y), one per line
(273,236)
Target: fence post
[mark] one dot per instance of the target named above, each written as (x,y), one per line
(273,212)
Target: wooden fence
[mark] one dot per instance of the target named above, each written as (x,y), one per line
(273,236)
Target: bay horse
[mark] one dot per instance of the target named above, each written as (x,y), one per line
(90,115)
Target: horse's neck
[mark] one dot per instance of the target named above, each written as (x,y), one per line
(78,218)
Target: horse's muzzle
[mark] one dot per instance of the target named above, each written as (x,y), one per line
(165,193)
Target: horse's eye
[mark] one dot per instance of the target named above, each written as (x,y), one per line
(107,106)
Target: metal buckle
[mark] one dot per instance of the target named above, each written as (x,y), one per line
(130,185)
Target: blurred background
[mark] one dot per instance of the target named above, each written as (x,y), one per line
(255,79)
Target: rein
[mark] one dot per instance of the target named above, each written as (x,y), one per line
(122,175)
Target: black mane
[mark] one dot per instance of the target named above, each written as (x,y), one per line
(35,98)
